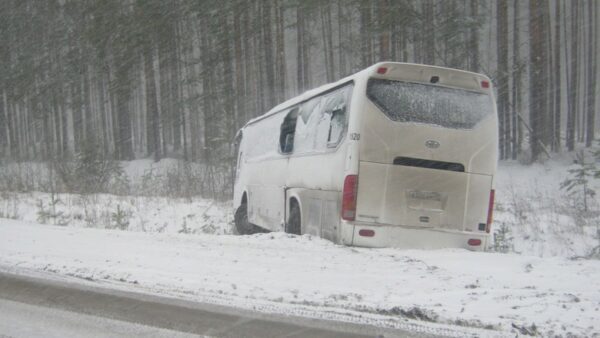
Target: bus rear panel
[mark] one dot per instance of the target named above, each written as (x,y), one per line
(427,158)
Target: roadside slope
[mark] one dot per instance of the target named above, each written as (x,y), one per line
(432,291)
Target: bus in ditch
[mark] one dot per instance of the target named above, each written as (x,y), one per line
(396,155)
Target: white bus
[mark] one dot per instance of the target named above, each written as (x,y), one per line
(397,155)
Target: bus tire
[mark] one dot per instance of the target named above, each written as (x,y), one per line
(294,224)
(242,225)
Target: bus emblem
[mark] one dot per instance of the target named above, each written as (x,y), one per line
(432,144)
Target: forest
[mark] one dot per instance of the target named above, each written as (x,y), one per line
(178,78)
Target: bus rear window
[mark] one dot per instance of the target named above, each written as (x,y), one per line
(420,103)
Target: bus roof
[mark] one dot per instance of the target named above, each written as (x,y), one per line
(365,73)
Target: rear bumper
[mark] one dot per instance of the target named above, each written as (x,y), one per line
(409,238)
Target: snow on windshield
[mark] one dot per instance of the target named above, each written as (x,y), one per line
(445,107)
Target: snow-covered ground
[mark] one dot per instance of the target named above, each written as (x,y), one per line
(186,248)
(133,213)
(312,277)
(532,216)
(539,217)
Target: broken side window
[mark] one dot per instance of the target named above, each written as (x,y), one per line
(288,129)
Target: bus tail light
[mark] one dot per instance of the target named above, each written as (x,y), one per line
(490,217)
(474,242)
(349,197)
(366,232)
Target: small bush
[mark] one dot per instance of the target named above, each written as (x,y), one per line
(90,171)
(10,205)
(44,214)
(120,219)
(578,181)
(503,240)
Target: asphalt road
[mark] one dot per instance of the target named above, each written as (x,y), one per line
(32,307)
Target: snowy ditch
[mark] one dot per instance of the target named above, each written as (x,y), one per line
(532,216)
(541,286)
(132,213)
(484,294)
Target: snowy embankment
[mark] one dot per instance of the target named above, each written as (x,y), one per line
(132,213)
(185,248)
(434,291)
(534,216)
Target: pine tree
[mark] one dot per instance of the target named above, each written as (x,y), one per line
(578,181)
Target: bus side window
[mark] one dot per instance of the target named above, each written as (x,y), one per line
(336,106)
(288,128)
(322,122)
(307,125)
(337,126)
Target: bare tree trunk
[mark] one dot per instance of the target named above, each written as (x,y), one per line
(123,142)
(69,123)
(341,38)
(229,84)
(429,37)
(326,30)
(207,96)
(5,130)
(240,77)
(591,76)
(517,131)
(384,29)
(572,66)
(537,89)
(280,72)
(366,29)
(300,49)
(473,45)
(548,116)
(268,50)
(300,86)
(502,78)
(175,84)
(557,79)
(152,134)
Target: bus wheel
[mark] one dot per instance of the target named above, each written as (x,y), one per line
(242,225)
(294,221)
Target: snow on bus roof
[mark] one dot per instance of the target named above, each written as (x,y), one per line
(369,70)
(305,96)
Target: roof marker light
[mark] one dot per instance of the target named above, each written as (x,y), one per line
(381,70)
(485,84)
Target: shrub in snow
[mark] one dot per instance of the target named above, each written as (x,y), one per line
(502,238)
(184,228)
(19,177)
(9,208)
(184,179)
(44,214)
(90,171)
(120,219)
(578,181)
